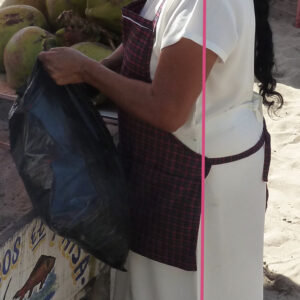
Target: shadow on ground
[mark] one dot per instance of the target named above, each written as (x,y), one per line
(278,286)
(286,38)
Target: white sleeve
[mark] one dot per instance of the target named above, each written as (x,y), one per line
(185,19)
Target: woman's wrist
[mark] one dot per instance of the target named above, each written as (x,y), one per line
(87,65)
(82,70)
(85,69)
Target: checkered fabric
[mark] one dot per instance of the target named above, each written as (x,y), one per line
(164,175)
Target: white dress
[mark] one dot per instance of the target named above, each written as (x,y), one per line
(235,192)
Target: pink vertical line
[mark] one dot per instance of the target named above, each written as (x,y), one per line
(203,150)
(298,15)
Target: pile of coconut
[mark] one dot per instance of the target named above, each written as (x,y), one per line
(28,27)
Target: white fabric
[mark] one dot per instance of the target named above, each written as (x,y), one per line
(235,193)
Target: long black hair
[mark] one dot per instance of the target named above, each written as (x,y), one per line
(264,57)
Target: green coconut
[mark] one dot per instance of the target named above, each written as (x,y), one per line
(60,36)
(14,18)
(107,12)
(38,4)
(56,7)
(21,52)
(95,51)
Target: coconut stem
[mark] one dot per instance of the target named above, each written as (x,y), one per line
(79,29)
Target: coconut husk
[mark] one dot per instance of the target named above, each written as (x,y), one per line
(76,29)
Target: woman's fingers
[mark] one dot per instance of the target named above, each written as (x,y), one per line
(63,64)
(42,56)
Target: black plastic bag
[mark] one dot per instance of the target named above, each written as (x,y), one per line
(70,167)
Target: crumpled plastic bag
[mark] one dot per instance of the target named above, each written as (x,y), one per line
(70,166)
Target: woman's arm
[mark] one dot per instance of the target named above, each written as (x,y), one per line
(165,103)
(114,61)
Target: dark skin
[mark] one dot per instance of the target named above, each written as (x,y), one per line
(165,103)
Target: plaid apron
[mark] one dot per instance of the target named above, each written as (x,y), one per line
(164,175)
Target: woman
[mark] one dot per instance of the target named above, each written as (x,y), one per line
(158,92)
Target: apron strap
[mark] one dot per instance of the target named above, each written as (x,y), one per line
(267,160)
(264,139)
(231,158)
(157,15)
(267,197)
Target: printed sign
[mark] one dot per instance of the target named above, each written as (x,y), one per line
(37,264)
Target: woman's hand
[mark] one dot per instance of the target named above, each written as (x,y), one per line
(64,64)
